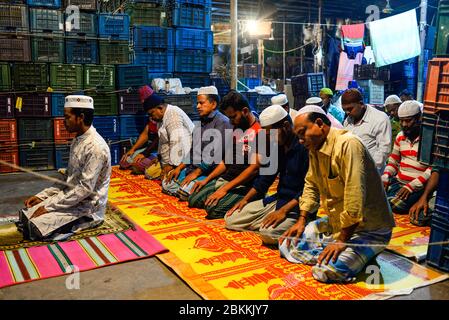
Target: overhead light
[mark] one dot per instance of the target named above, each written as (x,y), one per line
(388,8)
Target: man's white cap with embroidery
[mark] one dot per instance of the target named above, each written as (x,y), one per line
(311,109)
(279,100)
(393,99)
(207,90)
(314,101)
(409,109)
(271,115)
(83,102)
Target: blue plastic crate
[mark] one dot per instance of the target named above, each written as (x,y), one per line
(57,104)
(443,185)
(132,76)
(62,155)
(186,38)
(114,26)
(108,127)
(204,3)
(187,102)
(252,99)
(193,80)
(438,255)
(186,15)
(88,25)
(41,157)
(221,84)
(193,61)
(157,60)
(131,126)
(264,101)
(249,82)
(48,3)
(82,51)
(115,153)
(153,37)
(129,103)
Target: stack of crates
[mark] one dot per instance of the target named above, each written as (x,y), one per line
(47,28)
(193,41)
(305,86)
(250,75)
(9,151)
(442,41)
(373,91)
(114,38)
(14,29)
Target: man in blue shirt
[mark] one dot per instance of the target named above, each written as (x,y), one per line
(273,215)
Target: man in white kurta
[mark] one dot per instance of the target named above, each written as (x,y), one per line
(58,211)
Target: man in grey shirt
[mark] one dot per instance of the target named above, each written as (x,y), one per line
(372,126)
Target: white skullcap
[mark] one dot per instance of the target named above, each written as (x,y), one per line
(311,109)
(271,115)
(314,101)
(84,102)
(393,99)
(207,90)
(279,100)
(409,109)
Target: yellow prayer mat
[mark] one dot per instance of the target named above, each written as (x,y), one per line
(222,264)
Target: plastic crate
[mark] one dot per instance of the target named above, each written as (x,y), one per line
(82,51)
(222,85)
(113,26)
(15,48)
(47,49)
(129,103)
(62,156)
(5,77)
(29,76)
(11,155)
(41,157)
(193,80)
(46,21)
(251,96)
(304,84)
(47,3)
(250,71)
(131,126)
(434,144)
(115,153)
(443,186)
(153,37)
(370,72)
(34,105)
(147,14)
(442,39)
(8,130)
(204,3)
(105,104)
(249,83)
(99,77)
(186,38)
(132,76)
(60,133)
(157,60)
(57,104)
(438,255)
(114,52)
(373,91)
(193,61)
(82,4)
(88,25)
(436,95)
(264,101)
(66,77)
(13,18)
(108,127)
(34,129)
(6,106)
(186,15)
(186,102)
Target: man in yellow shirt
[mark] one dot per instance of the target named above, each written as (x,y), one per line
(343,176)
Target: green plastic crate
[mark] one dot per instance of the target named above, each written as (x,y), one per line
(442,42)
(114,52)
(5,77)
(105,104)
(66,77)
(99,77)
(29,76)
(146,14)
(47,49)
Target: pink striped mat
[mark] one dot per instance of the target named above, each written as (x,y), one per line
(57,259)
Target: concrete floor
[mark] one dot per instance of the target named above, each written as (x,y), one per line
(143,279)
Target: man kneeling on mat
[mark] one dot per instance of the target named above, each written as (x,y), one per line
(59,211)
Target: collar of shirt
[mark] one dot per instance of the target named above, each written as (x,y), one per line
(366,117)
(209,118)
(409,141)
(328,146)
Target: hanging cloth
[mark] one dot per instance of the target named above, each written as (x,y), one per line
(352,39)
(395,39)
(346,70)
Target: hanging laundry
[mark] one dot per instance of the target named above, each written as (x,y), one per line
(352,39)
(369,55)
(395,39)
(346,70)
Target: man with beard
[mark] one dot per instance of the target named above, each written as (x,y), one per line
(405,177)
(231,180)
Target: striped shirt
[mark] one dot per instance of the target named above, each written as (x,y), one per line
(404,165)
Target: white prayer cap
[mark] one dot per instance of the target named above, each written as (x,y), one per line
(314,101)
(279,100)
(271,115)
(207,90)
(409,109)
(393,99)
(84,102)
(311,109)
